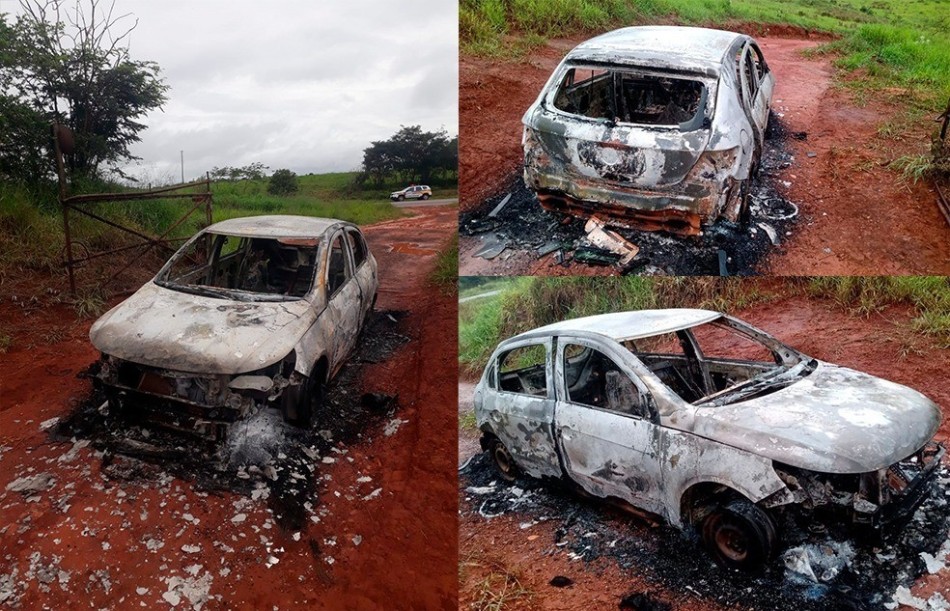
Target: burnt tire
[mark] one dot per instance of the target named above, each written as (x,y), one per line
(740,535)
(745,207)
(302,402)
(504,463)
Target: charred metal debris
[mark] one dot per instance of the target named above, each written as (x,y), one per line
(726,248)
(263,456)
(826,567)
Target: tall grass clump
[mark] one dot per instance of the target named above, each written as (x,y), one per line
(928,295)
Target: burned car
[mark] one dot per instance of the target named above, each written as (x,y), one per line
(658,128)
(251,312)
(708,422)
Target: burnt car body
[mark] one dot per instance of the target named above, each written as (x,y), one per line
(656,127)
(251,312)
(706,421)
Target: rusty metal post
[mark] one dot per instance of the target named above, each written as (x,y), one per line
(208,211)
(61,174)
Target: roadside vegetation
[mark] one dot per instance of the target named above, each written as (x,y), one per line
(526,303)
(881,43)
(446,271)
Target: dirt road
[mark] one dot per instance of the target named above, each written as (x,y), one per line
(609,554)
(119,533)
(857,216)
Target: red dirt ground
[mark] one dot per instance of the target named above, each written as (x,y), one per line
(857,216)
(881,345)
(84,540)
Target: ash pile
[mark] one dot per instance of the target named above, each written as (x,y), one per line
(820,568)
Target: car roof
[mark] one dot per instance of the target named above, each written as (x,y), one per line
(670,47)
(276,226)
(622,326)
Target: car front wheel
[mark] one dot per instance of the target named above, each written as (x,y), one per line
(301,402)
(740,535)
(402,197)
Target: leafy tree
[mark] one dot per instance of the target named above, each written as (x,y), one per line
(66,62)
(413,154)
(282,182)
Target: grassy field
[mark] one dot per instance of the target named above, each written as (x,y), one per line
(885,43)
(31,224)
(526,303)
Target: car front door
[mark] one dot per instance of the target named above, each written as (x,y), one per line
(605,425)
(520,408)
(344,305)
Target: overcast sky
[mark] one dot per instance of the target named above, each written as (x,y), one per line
(305,85)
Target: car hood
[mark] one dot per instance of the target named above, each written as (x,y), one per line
(163,328)
(835,420)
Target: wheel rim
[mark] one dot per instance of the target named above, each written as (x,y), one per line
(732,542)
(502,459)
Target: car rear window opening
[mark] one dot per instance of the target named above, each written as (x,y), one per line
(629,97)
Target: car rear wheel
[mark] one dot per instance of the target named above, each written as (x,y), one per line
(425,196)
(739,535)
(503,461)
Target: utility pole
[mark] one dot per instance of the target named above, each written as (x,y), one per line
(183,167)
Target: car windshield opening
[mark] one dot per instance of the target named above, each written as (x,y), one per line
(630,97)
(243,268)
(716,364)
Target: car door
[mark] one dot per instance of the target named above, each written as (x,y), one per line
(605,425)
(365,269)
(520,406)
(757,84)
(343,299)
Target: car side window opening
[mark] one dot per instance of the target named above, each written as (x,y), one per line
(524,370)
(357,247)
(594,379)
(337,270)
(221,265)
(716,364)
(631,97)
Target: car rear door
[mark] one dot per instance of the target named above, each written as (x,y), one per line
(605,425)
(520,406)
(365,269)
(757,85)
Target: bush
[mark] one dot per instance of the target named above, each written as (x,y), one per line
(282,182)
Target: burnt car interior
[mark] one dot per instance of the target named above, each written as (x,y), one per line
(716,364)
(593,379)
(523,371)
(627,97)
(218,265)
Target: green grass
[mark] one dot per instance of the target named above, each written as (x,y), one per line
(928,295)
(31,223)
(446,271)
(893,42)
(527,303)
